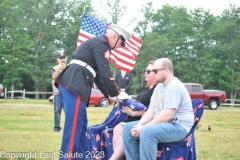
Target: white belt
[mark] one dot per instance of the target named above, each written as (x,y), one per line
(81,63)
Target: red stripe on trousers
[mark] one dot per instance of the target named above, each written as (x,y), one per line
(74,127)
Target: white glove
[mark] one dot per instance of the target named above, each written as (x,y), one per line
(114,98)
(121,97)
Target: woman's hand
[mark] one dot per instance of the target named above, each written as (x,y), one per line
(127,110)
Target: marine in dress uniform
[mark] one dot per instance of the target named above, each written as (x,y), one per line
(89,64)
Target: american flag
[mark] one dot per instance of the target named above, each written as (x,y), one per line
(123,58)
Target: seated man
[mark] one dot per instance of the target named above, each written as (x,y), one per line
(169,117)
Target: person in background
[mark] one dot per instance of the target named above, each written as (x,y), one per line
(58,105)
(143,97)
(124,81)
(89,64)
(169,117)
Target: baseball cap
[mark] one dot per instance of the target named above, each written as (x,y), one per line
(61,55)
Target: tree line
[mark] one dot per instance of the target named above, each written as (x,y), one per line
(204,48)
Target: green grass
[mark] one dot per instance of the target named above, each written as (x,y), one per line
(223,140)
(26,127)
(24,101)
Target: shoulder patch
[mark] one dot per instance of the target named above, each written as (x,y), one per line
(111,78)
(107,55)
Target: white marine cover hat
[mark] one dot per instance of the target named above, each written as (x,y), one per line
(121,32)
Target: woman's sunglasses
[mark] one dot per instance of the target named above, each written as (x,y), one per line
(147,71)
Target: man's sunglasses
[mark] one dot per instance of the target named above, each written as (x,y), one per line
(155,71)
(123,41)
(122,38)
(147,71)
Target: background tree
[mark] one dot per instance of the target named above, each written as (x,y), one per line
(227,32)
(49,24)
(167,36)
(144,26)
(70,23)
(114,9)
(15,46)
(204,48)
(41,22)
(190,41)
(198,49)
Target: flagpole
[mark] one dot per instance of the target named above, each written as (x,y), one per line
(84,7)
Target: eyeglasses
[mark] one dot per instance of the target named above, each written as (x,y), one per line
(122,38)
(155,71)
(62,57)
(123,41)
(147,71)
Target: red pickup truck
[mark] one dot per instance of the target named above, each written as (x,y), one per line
(211,98)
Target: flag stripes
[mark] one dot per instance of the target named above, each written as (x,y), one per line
(123,58)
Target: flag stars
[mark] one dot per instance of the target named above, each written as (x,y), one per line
(89,25)
(132,106)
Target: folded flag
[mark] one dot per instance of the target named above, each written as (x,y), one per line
(133,104)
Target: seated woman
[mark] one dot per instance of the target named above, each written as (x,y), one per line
(143,97)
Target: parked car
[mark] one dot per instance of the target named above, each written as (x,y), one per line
(211,98)
(96,99)
(1,90)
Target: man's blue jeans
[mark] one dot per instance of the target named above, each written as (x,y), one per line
(150,136)
(58,105)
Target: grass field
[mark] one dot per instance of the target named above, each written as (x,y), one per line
(26,127)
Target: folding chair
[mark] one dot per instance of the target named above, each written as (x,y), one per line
(185,149)
(99,141)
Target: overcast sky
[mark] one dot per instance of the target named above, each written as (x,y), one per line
(216,7)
